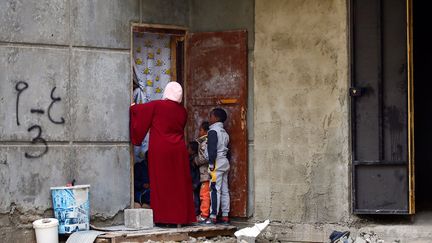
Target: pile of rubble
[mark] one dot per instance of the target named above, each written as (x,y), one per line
(219,239)
(370,237)
(362,237)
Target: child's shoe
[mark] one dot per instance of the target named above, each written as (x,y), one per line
(211,220)
(201,219)
(225,220)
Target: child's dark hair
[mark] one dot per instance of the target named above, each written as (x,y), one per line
(205,125)
(220,114)
(193,145)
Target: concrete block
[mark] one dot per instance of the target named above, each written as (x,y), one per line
(138,218)
(170,12)
(106,168)
(100,90)
(38,73)
(103,23)
(44,21)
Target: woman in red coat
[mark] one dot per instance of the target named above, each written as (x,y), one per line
(170,180)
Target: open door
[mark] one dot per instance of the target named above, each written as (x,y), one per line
(381,108)
(216,76)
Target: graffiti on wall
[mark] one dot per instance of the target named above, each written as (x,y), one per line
(36,129)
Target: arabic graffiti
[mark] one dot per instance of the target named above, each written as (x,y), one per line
(20,87)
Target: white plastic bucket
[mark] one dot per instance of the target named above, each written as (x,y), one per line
(72,208)
(46,230)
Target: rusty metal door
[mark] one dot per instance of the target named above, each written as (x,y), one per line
(382,159)
(216,76)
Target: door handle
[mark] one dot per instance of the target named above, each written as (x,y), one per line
(355,92)
(227,101)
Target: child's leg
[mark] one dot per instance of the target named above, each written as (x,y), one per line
(205,199)
(196,195)
(225,197)
(215,195)
(145,197)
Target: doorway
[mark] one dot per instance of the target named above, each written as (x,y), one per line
(212,68)
(381,161)
(422,53)
(157,58)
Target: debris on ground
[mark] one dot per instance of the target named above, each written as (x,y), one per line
(249,234)
(218,239)
(339,236)
(371,237)
(362,237)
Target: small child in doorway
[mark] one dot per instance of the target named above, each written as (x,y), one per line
(217,148)
(142,183)
(202,163)
(195,174)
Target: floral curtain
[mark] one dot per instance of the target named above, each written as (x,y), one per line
(152,66)
(152,71)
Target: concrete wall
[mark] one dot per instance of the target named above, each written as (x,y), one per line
(169,12)
(80,48)
(297,120)
(208,15)
(301,129)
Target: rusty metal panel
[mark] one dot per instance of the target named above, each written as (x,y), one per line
(379,107)
(216,76)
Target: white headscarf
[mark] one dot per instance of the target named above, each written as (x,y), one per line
(173,91)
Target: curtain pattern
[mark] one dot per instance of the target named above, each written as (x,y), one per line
(152,65)
(152,72)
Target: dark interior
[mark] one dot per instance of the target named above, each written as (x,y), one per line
(422,106)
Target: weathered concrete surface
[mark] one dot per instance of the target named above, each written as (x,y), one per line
(103,23)
(73,47)
(107,169)
(100,95)
(25,193)
(301,154)
(403,233)
(26,182)
(14,235)
(320,232)
(51,70)
(44,21)
(208,15)
(284,232)
(170,12)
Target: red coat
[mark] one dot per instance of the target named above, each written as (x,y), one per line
(170,181)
